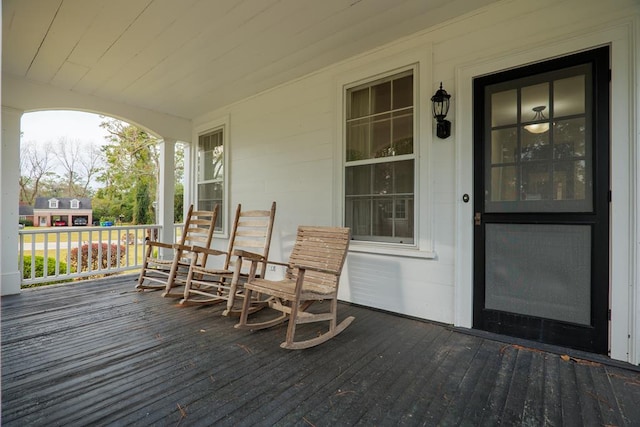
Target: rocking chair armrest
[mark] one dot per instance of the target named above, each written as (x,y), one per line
(178,246)
(160,244)
(207,251)
(252,256)
(283,264)
(308,267)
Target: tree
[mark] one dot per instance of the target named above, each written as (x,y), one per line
(131,177)
(35,168)
(80,162)
(141,209)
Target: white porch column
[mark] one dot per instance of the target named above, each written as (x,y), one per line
(188,178)
(166,191)
(10,276)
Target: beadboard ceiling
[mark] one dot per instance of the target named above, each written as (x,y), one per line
(187,57)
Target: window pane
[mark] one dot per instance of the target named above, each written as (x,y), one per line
(358,140)
(359,104)
(402,132)
(404,172)
(210,173)
(358,180)
(403,226)
(383,178)
(504,108)
(569,96)
(383,217)
(381,96)
(381,133)
(208,196)
(403,92)
(210,157)
(358,217)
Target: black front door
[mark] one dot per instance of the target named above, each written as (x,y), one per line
(541,179)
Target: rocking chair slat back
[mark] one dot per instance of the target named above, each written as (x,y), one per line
(251,232)
(321,248)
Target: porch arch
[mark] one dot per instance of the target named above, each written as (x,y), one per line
(20,97)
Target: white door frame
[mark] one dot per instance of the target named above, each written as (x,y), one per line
(624,293)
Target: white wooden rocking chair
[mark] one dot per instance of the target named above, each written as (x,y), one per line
(250,238)
(166,274)
(313,274)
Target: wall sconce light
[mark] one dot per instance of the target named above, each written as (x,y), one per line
(440,101)
(539,116)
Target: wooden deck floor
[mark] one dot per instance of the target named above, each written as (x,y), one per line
(99,353)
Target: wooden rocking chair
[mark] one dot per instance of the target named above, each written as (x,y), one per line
(250,239)
(158,273)
(313,274)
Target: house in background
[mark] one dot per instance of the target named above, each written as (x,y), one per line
(524,221)
(25,214)
(62,211)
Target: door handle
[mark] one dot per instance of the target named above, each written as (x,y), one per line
(477,218)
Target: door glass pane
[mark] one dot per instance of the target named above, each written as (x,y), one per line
(533,97)
(537,161)
(569,95)
(504,143)
(535,182)
(504,108)
(503,181)
(539,270)
(535,146)
(569,181)
(569,138)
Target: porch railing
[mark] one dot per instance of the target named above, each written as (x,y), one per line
(75,252)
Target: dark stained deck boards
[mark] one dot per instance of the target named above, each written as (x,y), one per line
(99,353)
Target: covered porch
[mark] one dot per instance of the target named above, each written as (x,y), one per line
(276,84)
(100,353)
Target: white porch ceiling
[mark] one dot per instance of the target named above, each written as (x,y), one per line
(187,57)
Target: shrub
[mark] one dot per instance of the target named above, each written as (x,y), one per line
(39,270)
(105,260)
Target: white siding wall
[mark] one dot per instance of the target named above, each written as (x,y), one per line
(285,145)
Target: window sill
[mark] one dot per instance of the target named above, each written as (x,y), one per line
(391,251)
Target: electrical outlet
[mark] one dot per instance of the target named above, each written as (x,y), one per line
(272,268)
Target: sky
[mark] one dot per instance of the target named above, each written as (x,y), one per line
(50,126)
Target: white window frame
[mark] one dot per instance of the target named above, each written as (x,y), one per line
(75,204)
(53,203)
(419,60)
(203,129)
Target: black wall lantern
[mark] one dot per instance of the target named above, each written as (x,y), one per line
(440,101)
